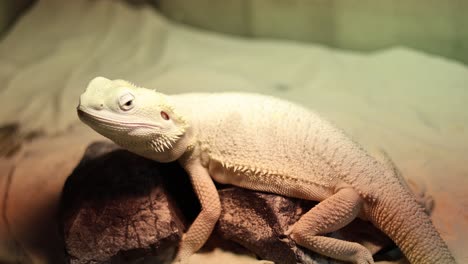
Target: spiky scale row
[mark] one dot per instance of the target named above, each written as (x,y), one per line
(260,173)
(163,143)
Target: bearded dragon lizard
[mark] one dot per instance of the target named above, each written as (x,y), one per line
(263,143)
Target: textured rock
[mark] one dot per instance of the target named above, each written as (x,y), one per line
(118,208)
(258,222)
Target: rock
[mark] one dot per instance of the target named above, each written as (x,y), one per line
(118,207)
(258,222)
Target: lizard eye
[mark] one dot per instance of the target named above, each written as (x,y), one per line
(126,101)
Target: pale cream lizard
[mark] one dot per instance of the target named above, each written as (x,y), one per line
(263,143)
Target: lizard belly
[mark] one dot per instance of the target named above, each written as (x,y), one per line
(273,183)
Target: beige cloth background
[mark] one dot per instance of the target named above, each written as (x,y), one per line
(408,103)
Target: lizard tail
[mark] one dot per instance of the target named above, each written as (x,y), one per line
(411,228)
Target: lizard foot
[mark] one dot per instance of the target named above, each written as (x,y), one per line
(359,254)
(183,253)
(180,260)
(362,256)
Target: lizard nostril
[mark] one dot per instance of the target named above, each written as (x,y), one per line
(98,107)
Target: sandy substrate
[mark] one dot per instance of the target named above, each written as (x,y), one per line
(410,104)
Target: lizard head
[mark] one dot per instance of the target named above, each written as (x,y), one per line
(140,120)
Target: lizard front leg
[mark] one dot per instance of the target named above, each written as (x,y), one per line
(203,225)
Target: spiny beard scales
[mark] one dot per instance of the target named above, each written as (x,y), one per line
(162,143)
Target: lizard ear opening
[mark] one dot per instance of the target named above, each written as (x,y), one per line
(164,115)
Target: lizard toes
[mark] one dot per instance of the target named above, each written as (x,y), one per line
(363,256)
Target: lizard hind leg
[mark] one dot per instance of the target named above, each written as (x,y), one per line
(330,215)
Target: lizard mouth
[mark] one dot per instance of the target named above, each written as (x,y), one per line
(92,118)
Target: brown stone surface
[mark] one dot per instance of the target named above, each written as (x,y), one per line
(116,209)
(258,222)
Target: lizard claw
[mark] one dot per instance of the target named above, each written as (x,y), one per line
(289,231)
(183,253)
(363,256)
(180,260)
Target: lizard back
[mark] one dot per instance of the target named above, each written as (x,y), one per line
(263,137)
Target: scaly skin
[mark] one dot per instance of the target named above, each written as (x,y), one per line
(263,143)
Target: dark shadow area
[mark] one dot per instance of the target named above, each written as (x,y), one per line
(107,172)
